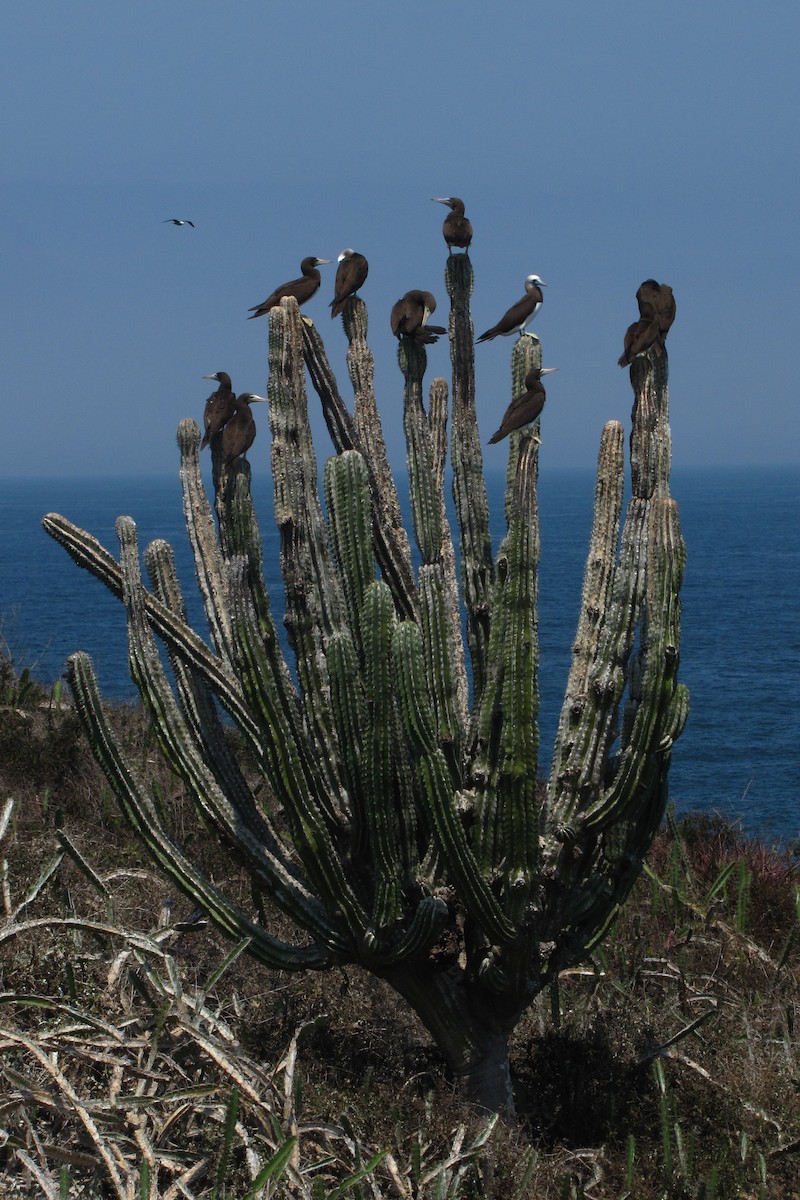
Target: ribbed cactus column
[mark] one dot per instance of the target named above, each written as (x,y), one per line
(397,821)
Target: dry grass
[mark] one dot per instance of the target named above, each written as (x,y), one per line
(143,1056)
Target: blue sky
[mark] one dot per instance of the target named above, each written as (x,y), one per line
(594,144)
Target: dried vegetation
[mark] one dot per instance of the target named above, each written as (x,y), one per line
(144,1057)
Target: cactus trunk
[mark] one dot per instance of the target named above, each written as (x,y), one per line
(394,811)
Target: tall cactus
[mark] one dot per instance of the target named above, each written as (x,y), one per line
(398,821)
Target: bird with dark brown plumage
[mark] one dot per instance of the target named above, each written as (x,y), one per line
(656,314)
(456,228)
(302,289)
(526,407)
(409,317)
(350,274)
(219,407)
(239,433)
(518,316)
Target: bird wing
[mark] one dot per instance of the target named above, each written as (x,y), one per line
(511,319)
(520,412)
(639,336)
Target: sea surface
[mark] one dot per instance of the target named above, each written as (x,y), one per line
(740,651)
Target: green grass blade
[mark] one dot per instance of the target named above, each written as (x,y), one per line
(274,1168)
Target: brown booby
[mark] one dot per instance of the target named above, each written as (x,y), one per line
(350,274)
(177,221)
(656,314)
(520,313)
(457,229)
(240,431)
(409,317)
(302,289)
(220,407)
(525,408)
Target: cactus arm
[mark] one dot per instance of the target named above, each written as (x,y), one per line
(87,552)
(598,575)
(426,513)
(575,723)
(439,613)
(443,664)
(315,603)
(650,723)
(527,353)
(143,816)
(240,825)
(196,698)
(651,450)
(520,702)
(348,703)
(469,489)
(598,838)
(291,762)
(208,560)
(506,746)
(437,789)
(350,523)
(382,817)
(456,703)
(391,540)
(364,433)
(207,730)
(437,430)
(427,923)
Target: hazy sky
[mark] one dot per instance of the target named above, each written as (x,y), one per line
(595,144)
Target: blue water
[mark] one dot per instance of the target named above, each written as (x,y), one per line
(740,653)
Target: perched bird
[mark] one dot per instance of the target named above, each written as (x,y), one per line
(456,228)
(520,313)
(240,431)
(219,407)
(527,407)
(177,221)
(409,317)
(656,314)
(350,274)
(302,289)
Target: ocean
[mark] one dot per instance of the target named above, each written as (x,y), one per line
(740,652)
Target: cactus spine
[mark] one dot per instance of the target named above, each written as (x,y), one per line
(397,822)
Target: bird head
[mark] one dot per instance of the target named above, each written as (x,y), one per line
(532,281)
(348,253)
(252,398)
(221,377)
(450,201)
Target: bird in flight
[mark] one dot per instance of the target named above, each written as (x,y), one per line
(177,221)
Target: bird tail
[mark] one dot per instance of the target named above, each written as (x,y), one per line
(488,336)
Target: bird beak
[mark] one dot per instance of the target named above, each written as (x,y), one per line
(212,377)
(426,312)
(548,370)
(440,199)
(266,401)
(324,260)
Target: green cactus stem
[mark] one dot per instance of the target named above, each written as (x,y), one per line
(396,819)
